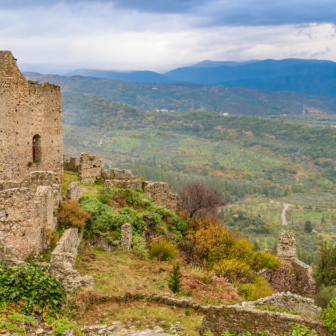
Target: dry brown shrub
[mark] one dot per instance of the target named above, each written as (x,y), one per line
(71,215)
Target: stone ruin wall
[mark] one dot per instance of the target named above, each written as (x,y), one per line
(63,259)
(289,301)
(91,167)
(27,213)
(28,109)
(239,319)
(295,277)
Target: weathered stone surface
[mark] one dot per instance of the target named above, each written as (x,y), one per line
(63,258)
(296,277)
(72,165)
(288,301)
(121,174)
(126,236)
(90,168)
(220,319)
(73,192)
(18,221)
(125,184)
(7,253)
(160,192)
(28,110)
(287,247)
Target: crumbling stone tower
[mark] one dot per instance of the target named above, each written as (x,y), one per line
(30,123)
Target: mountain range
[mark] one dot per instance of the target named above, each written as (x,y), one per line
(307,76)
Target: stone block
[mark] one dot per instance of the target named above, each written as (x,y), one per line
(73,192)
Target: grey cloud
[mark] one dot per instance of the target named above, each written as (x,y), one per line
(216,12)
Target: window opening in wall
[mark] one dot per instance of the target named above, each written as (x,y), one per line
(37,148)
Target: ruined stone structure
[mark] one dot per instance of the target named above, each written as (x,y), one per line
(90,168)
(63,258)
(161,194)
(295,277)
(30,124)
(289,301)
(286,250)
(239,319)
(73,192)
(27,212)
(126,236)
(72,165)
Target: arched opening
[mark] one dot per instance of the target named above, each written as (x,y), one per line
(37,148)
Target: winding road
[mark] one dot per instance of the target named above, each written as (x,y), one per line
(283,214)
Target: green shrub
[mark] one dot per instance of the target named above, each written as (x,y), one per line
(328,317)
(258,289)
(301,330)
(325,295)
(175,279)
(33,286)
(163,250)
(64,324)
(139,244)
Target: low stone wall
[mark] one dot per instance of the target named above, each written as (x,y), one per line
(218,319)
(63,258)
(90,168)
(288,301)
(126,236)
(125,184)
(161,194)
(239,319)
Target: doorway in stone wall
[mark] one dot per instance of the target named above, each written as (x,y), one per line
(37,148)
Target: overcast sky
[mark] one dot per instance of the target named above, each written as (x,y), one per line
(163,34)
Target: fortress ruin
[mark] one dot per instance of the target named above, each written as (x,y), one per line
(30,123)
(31,161)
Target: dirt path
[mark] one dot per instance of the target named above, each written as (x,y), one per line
(283,214)
(101,140)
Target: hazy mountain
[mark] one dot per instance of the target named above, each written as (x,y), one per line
(132,76)
(46,69)
(309,76)
(314,77)
(215,64)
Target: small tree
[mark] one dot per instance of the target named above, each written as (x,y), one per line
(308,227)
(197,198)
(175,279)
(325,273)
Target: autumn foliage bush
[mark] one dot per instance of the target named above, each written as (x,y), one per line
(71,215)
(225,252)
(207,288)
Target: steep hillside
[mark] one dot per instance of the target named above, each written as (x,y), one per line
(189,97)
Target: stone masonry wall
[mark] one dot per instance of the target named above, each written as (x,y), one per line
(18,224)
(90,168)
(239,319)
(27,212)
(63,258)
(28,109)
(295,277)
(161,194)
(72,165)
(288,301)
